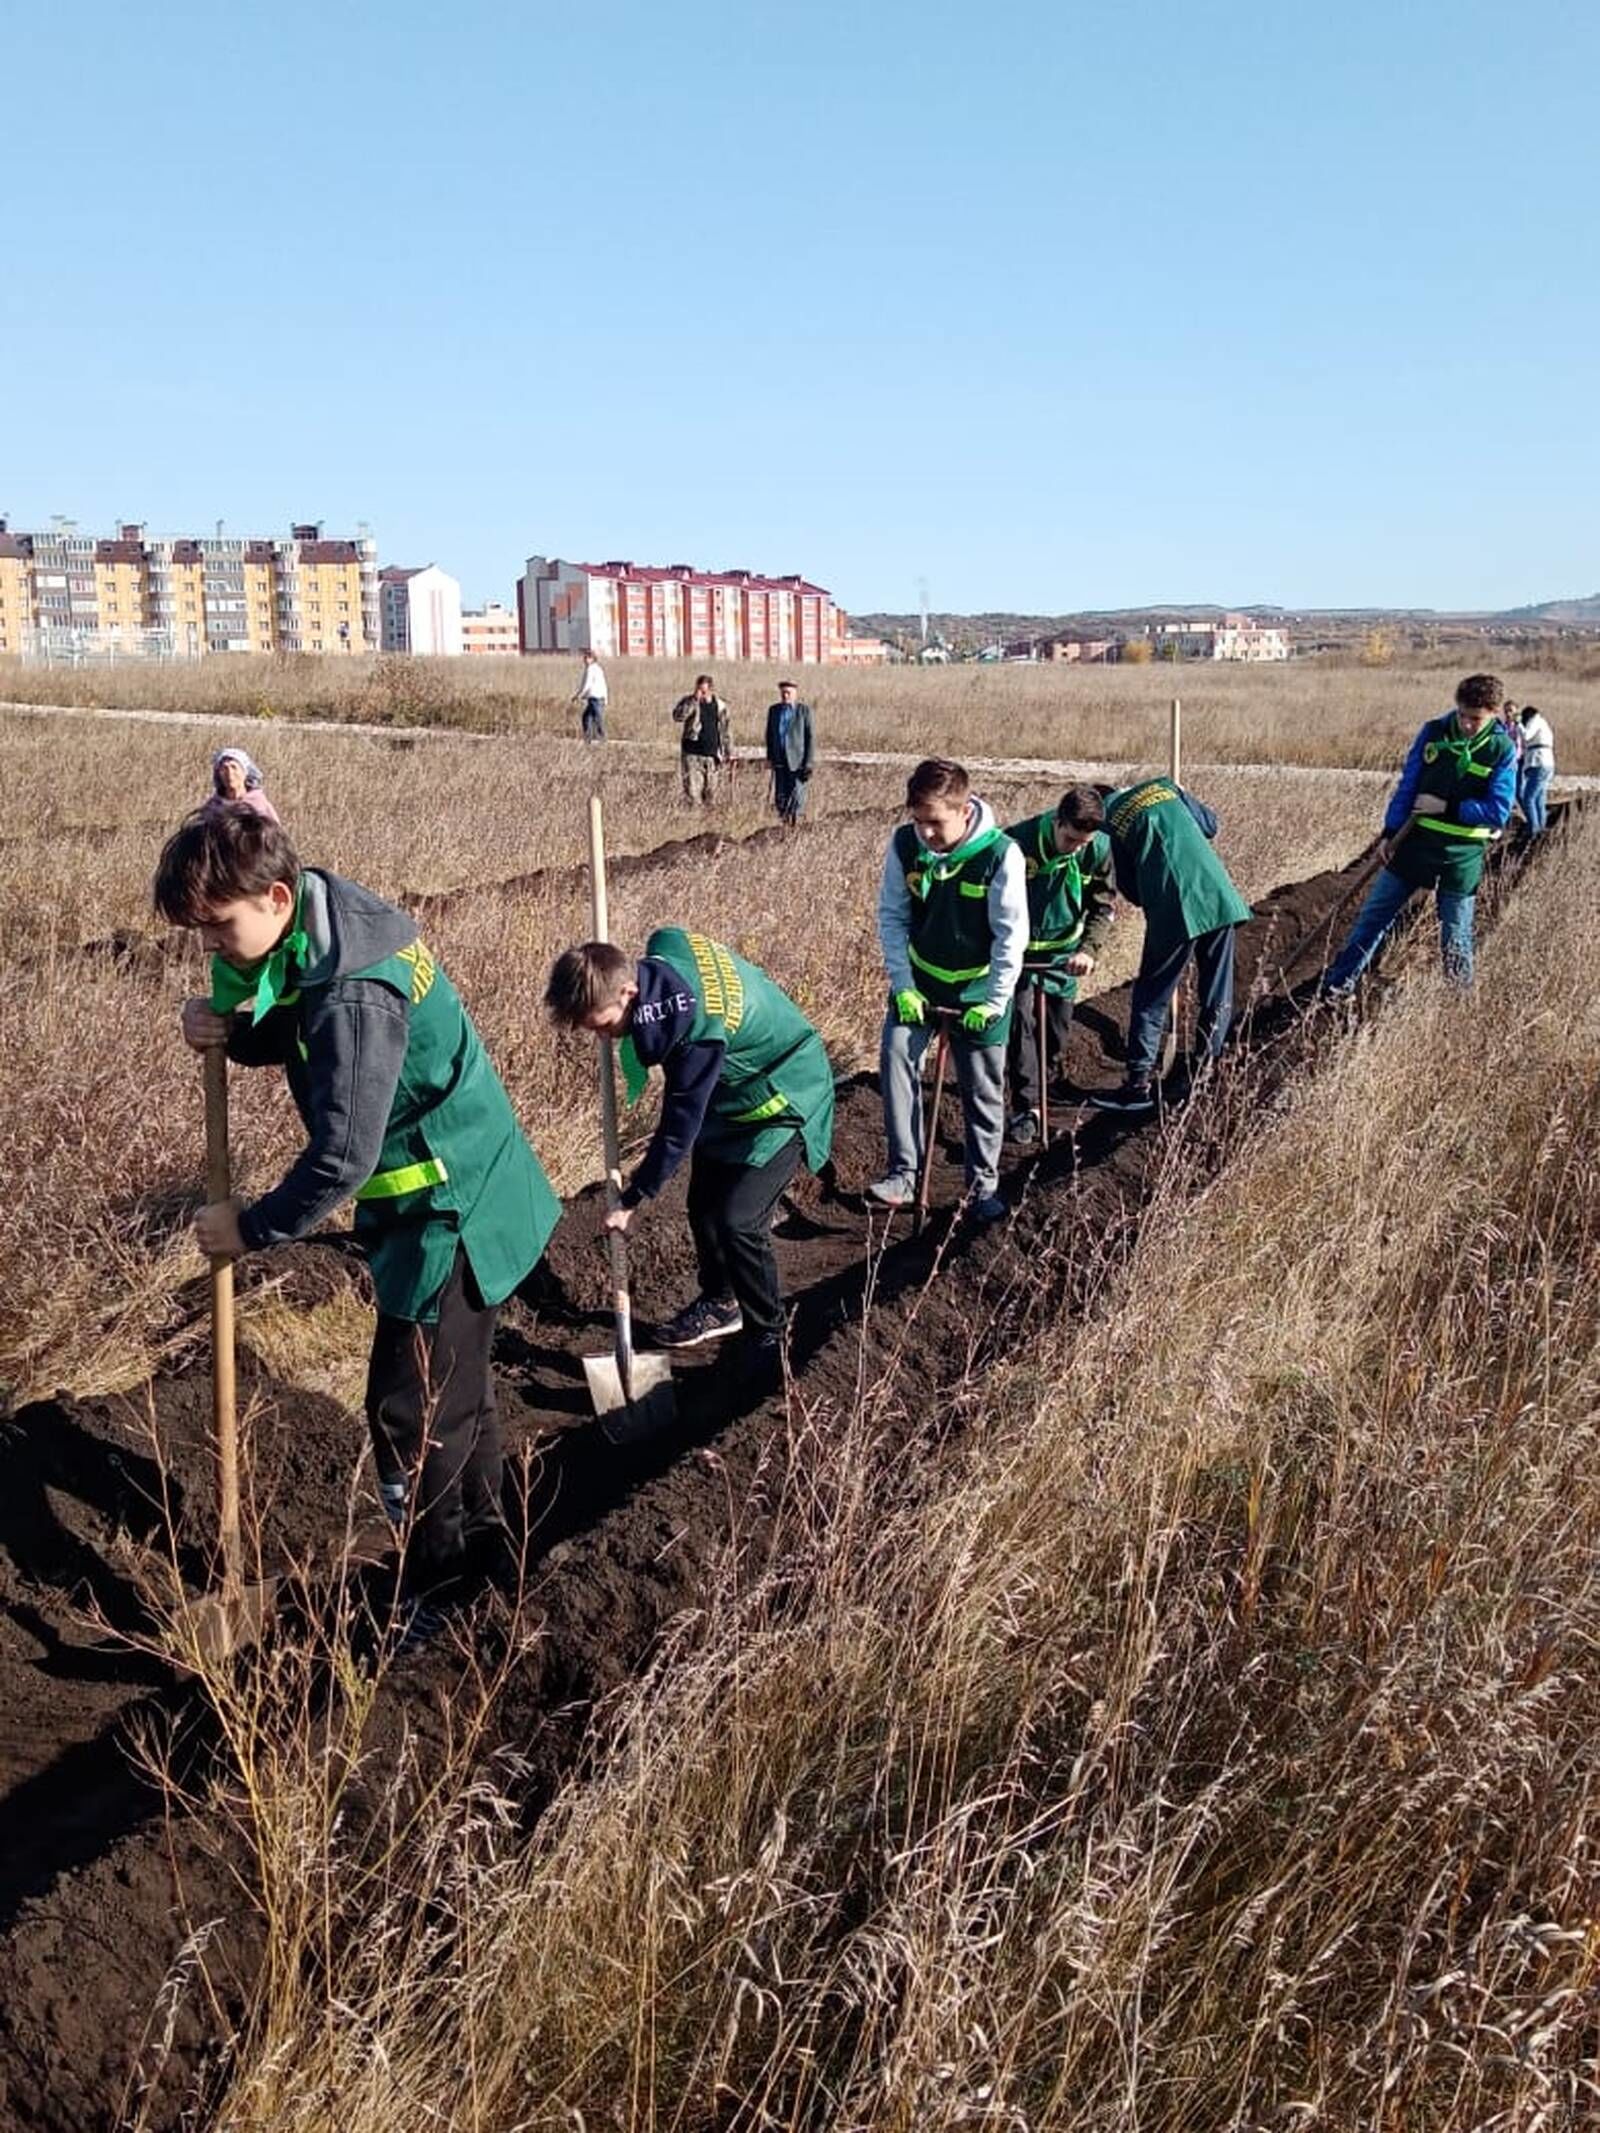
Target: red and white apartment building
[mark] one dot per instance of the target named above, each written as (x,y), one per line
(640,611)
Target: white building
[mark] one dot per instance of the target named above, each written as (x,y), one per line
(1236,637)
(420,612)
(491,628)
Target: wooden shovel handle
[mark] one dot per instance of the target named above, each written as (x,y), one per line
(616,1243)
(224,1396)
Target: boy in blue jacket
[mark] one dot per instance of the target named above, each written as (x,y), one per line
(1453,801)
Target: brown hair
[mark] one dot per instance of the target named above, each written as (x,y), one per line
(1081,808)
(937,778)
(706,678)
(584,979)
(1481,692)
(217,855)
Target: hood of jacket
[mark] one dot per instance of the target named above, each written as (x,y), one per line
(347,928)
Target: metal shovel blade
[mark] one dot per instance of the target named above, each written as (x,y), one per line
(223,1624)
(652,1407)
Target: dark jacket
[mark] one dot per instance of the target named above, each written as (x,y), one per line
(795,753)
(705,727)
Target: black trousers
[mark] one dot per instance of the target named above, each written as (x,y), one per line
(435,1433)
(730,1217)
(1023,1046)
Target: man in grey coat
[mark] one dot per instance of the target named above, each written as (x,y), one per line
(791,751)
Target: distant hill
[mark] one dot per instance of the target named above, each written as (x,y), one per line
(969,632)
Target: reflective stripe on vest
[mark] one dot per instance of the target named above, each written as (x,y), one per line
(947,977)
(772,1108)
(410,1177)
(1477,834)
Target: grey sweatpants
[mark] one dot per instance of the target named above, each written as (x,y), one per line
(981,1077)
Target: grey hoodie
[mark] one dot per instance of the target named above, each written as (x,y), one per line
(1007,907)
(354,1032)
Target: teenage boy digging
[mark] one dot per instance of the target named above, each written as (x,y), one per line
(748,1090)
(1071,903)
(953,923)
(405,1115)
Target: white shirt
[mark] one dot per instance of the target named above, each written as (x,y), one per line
(594,680)
(1539,743)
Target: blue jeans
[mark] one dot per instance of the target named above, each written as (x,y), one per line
(1532,787)
(594,718)
(1386,899)
(1152,996)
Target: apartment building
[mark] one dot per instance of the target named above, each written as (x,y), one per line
(1237,637)
(625,610)
(491,628)
(419,612)
(76,596)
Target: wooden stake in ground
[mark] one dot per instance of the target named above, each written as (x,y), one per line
(930,1129)
(1169,1047)
(635,1391)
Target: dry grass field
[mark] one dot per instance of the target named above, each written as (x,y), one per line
(1316,712)
(1186,1722)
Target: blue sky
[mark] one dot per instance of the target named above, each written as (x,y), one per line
(1055,306)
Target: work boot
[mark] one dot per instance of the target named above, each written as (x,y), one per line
(1133,1097)
(708,1318)
(989,1207)
(893,1191)
(1024,1128)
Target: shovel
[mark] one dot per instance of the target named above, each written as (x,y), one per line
(225,1621)
(930,1130)
(631,1393)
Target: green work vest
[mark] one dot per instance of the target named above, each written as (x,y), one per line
(454,1168)
(951,945)
(1058,898)
(1438,853)
(1166,865)
(775,1080)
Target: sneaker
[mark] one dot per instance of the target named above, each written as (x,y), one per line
(1024,1128)
(989,1207)
(893,1192)
(1133,1096)
(708,1318)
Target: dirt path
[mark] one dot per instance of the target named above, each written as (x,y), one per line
(99,1891)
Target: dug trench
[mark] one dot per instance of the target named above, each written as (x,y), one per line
(128,1939)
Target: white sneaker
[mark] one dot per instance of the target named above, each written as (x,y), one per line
(892,1191)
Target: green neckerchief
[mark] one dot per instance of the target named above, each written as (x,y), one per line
(268,980)
(929,866)
(1460,747)
(635,1074)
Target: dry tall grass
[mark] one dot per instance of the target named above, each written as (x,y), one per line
(1317,713)
(102,1146)
(1216,1749)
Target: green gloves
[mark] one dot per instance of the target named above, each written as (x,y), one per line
(910,1009)
(977,1019)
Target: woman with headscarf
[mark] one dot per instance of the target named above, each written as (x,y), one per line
(236,782)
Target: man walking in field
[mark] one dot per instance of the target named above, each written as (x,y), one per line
(1067,857)
(1538,768)
(953,924)
(748,1098)
(405,1115)
(1163,861)
(705,743)
(791,752)
(1453,801)
(591,694)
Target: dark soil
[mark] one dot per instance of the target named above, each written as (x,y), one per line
(101,1886)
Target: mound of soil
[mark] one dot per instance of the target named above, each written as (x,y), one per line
(101,1885)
